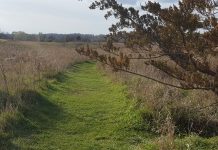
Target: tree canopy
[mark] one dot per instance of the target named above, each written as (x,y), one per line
(186,35)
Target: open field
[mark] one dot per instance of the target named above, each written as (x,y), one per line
(48,102)
(24,63)
(25,66)
(83,109)
(109,75)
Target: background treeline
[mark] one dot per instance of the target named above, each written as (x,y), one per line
(52,37)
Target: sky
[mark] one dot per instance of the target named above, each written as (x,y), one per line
(56,16)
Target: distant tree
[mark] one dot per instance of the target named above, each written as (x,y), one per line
(6,36)
(41,37)
(20,35)
(68,38)
(186,35)
(78,38)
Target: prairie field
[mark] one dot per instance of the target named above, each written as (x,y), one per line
(54,98)
(25,66)
(24,63)
(109,75)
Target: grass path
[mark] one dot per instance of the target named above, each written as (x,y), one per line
(82,109)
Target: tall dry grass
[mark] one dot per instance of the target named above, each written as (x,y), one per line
(168,110)
(24,64)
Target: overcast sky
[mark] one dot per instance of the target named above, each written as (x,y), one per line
(56,16)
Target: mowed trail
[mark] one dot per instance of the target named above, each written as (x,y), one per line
(81,109)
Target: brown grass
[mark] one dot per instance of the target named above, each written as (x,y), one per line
(174,111)
(24,64)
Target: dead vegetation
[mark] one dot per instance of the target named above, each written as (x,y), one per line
(24,64)
(170,112)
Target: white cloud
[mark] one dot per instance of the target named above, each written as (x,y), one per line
(59,16)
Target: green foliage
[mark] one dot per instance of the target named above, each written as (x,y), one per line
(194,142)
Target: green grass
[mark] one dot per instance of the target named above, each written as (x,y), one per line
(82,109)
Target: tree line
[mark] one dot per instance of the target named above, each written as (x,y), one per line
(52,37)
